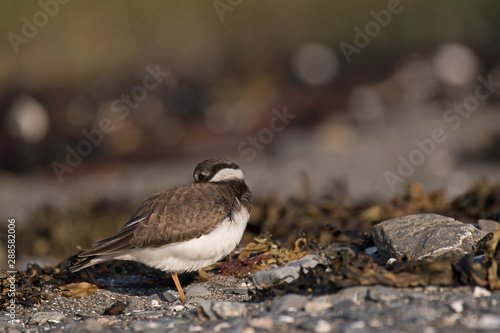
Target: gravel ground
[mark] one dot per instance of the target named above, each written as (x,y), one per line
(229,304)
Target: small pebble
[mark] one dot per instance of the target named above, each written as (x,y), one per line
(226,310)
(323,327)
(91,325)
(290,302)
(195,328)
(286,319)
(457,306)
(143,326)
(176,308)
(383,294)
(197,291)
(481,292)
(41,318)
(169,297)
(262,322)
(221,326)
(317,306)
(135,304)
(248,330)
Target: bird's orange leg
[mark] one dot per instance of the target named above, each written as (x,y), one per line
(179,288)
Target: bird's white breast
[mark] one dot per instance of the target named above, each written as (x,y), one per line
(196,253)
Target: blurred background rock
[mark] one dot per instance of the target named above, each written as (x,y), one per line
(234,66)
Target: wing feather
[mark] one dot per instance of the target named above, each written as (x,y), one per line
(172,216)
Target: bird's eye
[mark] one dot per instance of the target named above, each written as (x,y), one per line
(201,177)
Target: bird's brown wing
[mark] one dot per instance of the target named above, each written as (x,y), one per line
(172,216)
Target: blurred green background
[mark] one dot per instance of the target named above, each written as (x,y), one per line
(234,69)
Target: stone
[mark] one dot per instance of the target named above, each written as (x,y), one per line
(142,326)
(115,309)
(383,294)
(288,302)
(197,291)
(489,322)
(40,318)
(226,310)
(135,304)
(315,325)
(485,322)
(353,326)
(421,236)
(154,300)
(481,292)
(488,225)
(91,325)
(193,301)
(317,306)
(457,306)
(222,326)
(236,291)
(287,273)
(176,307)
(168,297)
(357,295)
(265,322)
(206,308)
(323,326)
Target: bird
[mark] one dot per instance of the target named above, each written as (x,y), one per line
(182,229)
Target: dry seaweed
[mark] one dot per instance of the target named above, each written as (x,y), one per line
(299,225)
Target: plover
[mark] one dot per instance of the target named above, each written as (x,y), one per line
(185,228)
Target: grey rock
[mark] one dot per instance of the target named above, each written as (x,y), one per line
(168,297)
(223,310)
(197,291)
(317,306)
(135,304)
(287,302)
(90,325)
(481,292)
(287,273)
(357,295)
(353,326)
(238,291)
(488,225)
(40,318)
(489,322)
(206,307)
(485,322)
(194,300)
(383,294)
(425,235)
(238,325)
(155,300)
(315,325)
(457,306)
(265,322)
(226,310)
(142,326)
